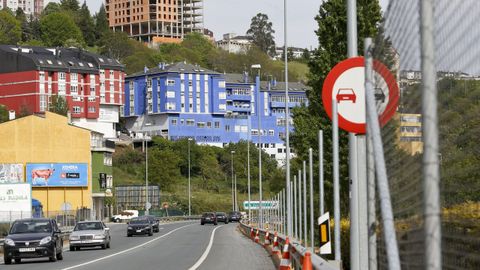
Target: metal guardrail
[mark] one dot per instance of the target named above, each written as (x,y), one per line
(297,251)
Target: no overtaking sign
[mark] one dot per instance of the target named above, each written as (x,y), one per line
(346,85)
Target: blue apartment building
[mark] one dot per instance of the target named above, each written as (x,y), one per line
(181,100)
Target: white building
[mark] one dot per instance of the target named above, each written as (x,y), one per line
(28,6)
(235,44)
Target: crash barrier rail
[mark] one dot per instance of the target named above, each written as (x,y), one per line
(297,252)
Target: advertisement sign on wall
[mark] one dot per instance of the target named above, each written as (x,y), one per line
(57,174)
(11,173)
(15,201)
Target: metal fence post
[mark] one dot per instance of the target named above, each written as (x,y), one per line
(382,179)
(295,204)
(320,171)
(305,220)
(431,170)
(300,223)
(312,227)
(336,181)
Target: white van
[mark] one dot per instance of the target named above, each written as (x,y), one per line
(125,215)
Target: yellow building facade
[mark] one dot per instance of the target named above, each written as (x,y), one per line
(410,133)
(49,138)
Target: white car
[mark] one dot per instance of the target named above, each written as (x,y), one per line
(90,234)
(125,215)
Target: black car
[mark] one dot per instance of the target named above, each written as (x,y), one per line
(234,216)
(222,217)
(33,238)
(208,217)
(140,225)
(155,223)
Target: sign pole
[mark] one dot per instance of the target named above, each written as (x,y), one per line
(336,182)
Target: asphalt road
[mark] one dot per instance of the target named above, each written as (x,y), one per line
(182,245)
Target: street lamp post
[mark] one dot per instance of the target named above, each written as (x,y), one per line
(258,67)
(147,204)
(189,190)
(233,194)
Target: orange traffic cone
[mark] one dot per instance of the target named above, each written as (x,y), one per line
(307,261)
(257,238)
(252,233)
(275,249)
(285,262)
(267,240)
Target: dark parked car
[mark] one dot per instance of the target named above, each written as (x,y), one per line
(222,217)
(234,216)
(33,238)
(208,217)
(140,225)
(155,223)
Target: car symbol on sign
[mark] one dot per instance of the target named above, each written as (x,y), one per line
(344,94)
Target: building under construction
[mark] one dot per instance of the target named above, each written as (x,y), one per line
(156,21)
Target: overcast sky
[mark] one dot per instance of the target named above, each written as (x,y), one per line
(233,16)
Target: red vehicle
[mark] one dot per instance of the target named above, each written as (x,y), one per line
(344,94)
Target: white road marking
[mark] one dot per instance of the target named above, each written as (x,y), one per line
(124,251)
(207,250)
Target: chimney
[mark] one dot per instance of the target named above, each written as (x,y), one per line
(11,115)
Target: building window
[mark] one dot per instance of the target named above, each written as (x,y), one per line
(107,159)
(279,150)
(271,132)
(222,95)
(91,109)
(217,124)
(170,82)
(170,94)
(190,122)
(190,83)
(221,84)
(61,76)
(173,122)
(222,107)
(201,124)
(227,128)
(74,77)
(76,109)
(209,124)
(254,132)
(170,106)
(73,90)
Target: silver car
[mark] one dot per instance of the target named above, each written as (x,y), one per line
(90,234)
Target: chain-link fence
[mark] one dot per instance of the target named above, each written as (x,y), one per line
(403,47)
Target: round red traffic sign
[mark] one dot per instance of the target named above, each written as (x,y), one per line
(345,84)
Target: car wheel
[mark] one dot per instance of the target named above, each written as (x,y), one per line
(226,222)
(72,248)
(104,246)
(117,220)
(53,258)
(215,223)
(7,260)
(17,261)
(202,223)
(60,255)
(150,233)
(108,244)
(129,235)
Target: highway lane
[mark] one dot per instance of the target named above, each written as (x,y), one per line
(177,246)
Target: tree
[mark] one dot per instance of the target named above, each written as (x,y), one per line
(57,28)
(261,30)
(51,8)
(10,28)
(59,105)
(70,5)
(3,114)
(86,24)
(101,23)
(116,45)
(332,37)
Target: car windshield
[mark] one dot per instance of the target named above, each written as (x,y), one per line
(208,214)
(139,221)
(88,226)
(220,214)
(345,91)
(32,226)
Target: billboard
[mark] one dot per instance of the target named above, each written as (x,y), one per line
(11,173)
(57,174)
(15,201)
